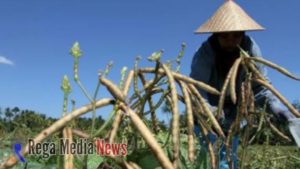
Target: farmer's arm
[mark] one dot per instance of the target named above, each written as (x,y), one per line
(262,95)
(200,69)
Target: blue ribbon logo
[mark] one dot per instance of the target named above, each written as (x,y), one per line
(18,148)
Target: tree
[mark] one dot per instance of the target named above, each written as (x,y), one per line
(8,114)
(1,119)
(15,110)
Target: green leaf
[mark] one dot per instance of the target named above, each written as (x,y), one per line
(94,160)
(148,161)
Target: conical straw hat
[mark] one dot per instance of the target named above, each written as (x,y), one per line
(229,17)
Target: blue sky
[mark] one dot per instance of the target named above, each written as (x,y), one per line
(36,36)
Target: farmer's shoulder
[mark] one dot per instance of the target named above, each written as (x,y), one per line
(204,52)
(253,47)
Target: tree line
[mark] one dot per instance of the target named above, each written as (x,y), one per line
(14,118)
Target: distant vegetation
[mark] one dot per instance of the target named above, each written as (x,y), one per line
(32,121)
(14,118)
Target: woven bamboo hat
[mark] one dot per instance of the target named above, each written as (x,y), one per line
(229,17)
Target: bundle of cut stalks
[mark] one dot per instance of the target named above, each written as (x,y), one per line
(167,82)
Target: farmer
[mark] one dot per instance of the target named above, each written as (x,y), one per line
(213,60)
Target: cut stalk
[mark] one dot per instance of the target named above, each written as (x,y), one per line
(275,66)
(278,132)
(68,158)
(190,121)
(152,108)
(184,78)
(207,111)
(235,68)
(209,147)
(118,115)
(250,64)
(113,89)
(79,133)
(148,137)
(228,142)
(279,96)
(223,92)
(175,119)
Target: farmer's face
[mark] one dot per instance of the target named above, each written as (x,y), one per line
(230,40)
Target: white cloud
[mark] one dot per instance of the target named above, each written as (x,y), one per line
(4,60)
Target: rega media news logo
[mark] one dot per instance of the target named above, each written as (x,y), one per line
(79,147)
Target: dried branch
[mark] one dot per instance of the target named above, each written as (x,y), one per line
(279,96)
(234,68)
(118,115)
(68,158)
(207,110)
(184,78)
(113,89)
(175,119)
(274,66)
(190,120)
(148,137)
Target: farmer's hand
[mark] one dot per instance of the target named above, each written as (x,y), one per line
(294,126)
(281,113)
(293,123)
